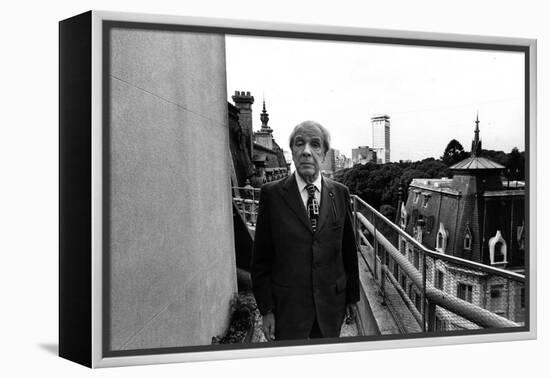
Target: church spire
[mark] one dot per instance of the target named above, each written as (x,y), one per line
(476,143)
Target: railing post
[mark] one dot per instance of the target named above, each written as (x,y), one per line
(375,246)
(431,316)
(424,300)
(253,209)
(383,272)
(356,223)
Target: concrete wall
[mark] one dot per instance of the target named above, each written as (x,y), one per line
(171,247)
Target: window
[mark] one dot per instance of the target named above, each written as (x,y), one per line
(497,249)
(496,301)
(468,239)
(441,240)
(429,224)
(417,233)
(439,279)
(416,197)
(418,301)
(415,297)
(416,259)
(404,281)
(496,291)
(467,242)
(426,199)
(499,255)
(395,269)
(414,217)
(522,297)
(464,291)
(403,223)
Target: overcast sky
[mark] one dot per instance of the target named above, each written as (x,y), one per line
(431,94)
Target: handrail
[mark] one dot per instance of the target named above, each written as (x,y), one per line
(467,310)
(248,206)
(438,255)
(434,254)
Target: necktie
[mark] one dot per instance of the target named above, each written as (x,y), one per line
(312,206)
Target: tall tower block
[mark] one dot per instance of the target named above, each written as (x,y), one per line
(381,137)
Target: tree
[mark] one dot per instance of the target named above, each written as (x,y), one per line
(515,165)
(433,168)
(454,152)
(388,211)
(499,157)
(378,184)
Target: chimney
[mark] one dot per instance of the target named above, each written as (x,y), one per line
(243,101)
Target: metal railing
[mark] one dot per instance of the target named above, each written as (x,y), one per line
(246,199)
(442,292)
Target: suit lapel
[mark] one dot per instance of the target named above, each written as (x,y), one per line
(293,199)
(326,203)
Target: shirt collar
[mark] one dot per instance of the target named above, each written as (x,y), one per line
(302,184)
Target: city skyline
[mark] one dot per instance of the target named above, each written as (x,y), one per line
(431,94)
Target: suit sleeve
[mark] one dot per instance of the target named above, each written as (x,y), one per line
(349,251)
(262,256)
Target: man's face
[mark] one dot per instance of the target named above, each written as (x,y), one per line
(308,152)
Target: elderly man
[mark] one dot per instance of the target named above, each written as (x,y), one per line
(304,267)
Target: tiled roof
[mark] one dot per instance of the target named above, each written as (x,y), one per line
(477,162)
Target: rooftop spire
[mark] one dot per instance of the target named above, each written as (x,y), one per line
(476,143)
(264,117)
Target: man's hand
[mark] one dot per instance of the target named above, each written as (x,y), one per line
(351,313)
(268,326)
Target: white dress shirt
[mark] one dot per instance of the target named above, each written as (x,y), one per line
(303,192)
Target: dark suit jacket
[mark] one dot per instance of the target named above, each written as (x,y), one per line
(298,274)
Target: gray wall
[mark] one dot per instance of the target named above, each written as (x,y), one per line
(171,247)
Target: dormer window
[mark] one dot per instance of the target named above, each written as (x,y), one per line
(464,291)
(425,199)
(441,240)
(467,242)
(417,234)
(468,239)
(439,279)
(497,249)
(403,222)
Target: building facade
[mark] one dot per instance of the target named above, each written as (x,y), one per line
(474,216)
(334,161)
(266,159)
(363,155)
